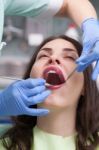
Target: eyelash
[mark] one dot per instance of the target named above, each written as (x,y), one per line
(70,57)
(42,56)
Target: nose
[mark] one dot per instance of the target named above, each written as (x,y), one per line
(54,60)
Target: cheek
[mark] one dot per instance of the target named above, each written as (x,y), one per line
(73,89)
(78,79)
(37,68)
(69,66)
(77,85)
(36,71)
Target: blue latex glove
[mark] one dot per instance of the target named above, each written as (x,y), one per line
(16,98)
(90,51)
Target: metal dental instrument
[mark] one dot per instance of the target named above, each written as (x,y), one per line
(10,78)
(73,71)
(19,79)
(16,79)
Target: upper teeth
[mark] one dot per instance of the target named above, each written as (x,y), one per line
(51,71)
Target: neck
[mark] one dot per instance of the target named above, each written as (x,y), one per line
(58,122)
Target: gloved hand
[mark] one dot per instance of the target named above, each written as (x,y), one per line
(90,51)
(16,98)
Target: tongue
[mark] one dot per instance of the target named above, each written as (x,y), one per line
(53,79)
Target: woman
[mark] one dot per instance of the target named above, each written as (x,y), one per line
(85,17)
(73,121)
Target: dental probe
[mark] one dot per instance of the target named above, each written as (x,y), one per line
(47,84)
(73,71)
(10,78)
(16,79)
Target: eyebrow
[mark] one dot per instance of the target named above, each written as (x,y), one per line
(64,49)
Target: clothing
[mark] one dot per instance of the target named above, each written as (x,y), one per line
(48,141)
(32,8)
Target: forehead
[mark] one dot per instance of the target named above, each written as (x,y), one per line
(59,44)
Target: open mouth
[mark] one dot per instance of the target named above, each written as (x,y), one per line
(54,77)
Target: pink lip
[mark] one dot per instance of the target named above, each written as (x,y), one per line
(58,71)
(54,87)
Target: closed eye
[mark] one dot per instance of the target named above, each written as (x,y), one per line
(70,58)
(42,56)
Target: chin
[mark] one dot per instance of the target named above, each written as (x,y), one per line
(52,105)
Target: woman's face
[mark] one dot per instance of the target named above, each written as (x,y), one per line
(54,62)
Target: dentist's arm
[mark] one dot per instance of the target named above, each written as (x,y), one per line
(77,10)
(81,12)
(84,15)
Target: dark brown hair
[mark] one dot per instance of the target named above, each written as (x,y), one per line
(20,136)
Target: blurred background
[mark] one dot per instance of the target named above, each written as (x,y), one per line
(22,36)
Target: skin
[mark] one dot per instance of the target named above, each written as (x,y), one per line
(62,102)
(72,9)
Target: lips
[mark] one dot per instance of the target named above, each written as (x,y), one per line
(54,77)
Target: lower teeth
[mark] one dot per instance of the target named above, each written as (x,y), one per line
(47,84)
